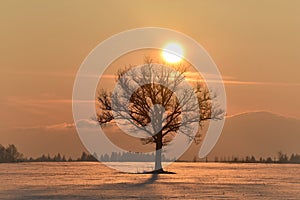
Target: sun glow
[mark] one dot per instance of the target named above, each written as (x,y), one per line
(172,53)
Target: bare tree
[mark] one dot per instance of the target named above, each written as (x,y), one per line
(142,109)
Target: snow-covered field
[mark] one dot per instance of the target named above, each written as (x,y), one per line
(192,181)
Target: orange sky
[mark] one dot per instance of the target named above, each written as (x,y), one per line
(255,44)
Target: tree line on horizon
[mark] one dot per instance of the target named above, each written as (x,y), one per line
(281,158)
(10,154)
(130,157)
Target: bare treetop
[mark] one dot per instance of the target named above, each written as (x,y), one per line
(157,102)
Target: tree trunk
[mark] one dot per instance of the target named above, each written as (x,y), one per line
(159,144)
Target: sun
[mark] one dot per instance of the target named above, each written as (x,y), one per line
(172,53)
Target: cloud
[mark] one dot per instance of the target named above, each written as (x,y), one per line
(230,80)
(39,101)
(91,123)
(53,127)
(106,76)
(196,76)
(87,123)
(83,123)
(60,126)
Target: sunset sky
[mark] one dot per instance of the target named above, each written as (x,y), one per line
(255,44)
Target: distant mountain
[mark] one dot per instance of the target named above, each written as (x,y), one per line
(254,133)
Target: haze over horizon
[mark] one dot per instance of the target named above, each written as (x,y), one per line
(261,134)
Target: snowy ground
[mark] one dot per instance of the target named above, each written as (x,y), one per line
(192,181)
